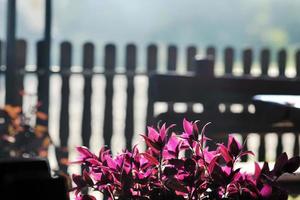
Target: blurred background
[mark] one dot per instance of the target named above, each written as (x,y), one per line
(255,24)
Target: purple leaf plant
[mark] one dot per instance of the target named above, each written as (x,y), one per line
(162,173)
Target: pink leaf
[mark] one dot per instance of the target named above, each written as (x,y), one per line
(150,158)
(152,134)
(187,126)
(266,191)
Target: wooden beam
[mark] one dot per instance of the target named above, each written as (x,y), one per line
(229,89)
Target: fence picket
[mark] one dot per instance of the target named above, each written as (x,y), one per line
(21,51)
(247,64)
(88,64)
(228,59)
(191,52)
(211,54)
(43,79)
(171,67)
(264,61)
(109,65)
(247,61)
(14,81)
(130,67)
(281,61)
(151,68)
(64,129)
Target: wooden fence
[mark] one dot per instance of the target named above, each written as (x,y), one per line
(15,82)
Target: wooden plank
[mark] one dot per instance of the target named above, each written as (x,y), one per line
(247,60)
(204,68)
(290,183)
(65,64)
(151,69)
(151,58)
(64,129)
(48,20)
(11,71)
(43,79)
(228,60)
(191,52)
(211,54)
(172,58)
(247,64)
(13,78)
(88,64)
(265,61)
(297,62)
(228,68)
(281,61)
(109,65)
(264,64)
(227,89)
(130,67)
(21,51)
(171,67)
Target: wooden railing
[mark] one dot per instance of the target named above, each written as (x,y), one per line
(129,69)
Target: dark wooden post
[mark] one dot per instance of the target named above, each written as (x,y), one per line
(190,66)
(130,68)
(48,20)
(281,62)
(265,61)
(171,67)
(47,32)
(204,68)
(109,65)
(43,65)
(151,68)
(229,60)
(64,129)
(11,68)
(191,52)
(20,63)
(43,79)
(88,64)
(247,65)
(211,54)
(247,61)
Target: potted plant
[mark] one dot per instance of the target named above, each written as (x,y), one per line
(162,172)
